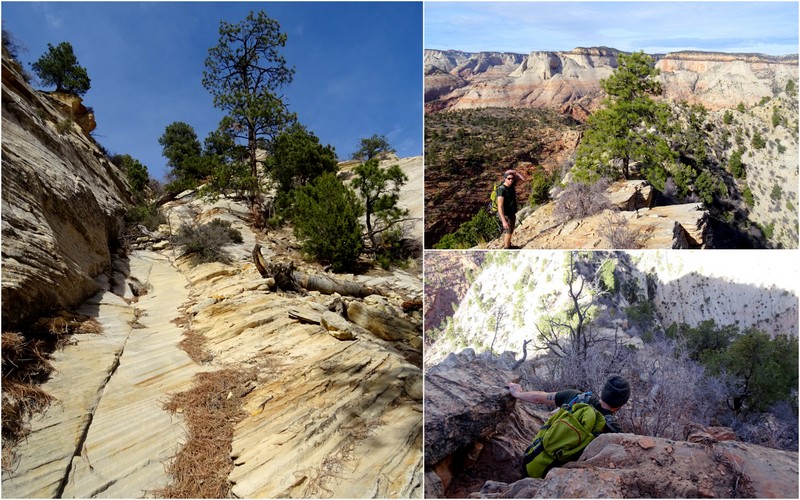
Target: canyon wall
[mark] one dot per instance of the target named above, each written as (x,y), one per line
(62,203)
(570,81)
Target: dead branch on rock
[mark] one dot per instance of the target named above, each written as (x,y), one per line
(303,318)
(524,355)
(261,264)
(288,279)
(329,286)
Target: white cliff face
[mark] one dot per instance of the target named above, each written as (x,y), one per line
(61,204)
(723,81)
(742,288)
(553,79)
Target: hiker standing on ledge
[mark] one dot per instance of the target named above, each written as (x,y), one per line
(507,205)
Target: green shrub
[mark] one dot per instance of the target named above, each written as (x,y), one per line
(747,194)
(145,214)
(736,165)
(540,188)
(481,228)
(727,118)
(758,141)
(776,117)
(776,193)
(204,242)
(391,251)
(762,370)
(325,218)
(64,126)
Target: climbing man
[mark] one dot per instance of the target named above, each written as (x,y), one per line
(580,418)
(507,205)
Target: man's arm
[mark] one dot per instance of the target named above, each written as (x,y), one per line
(537,397)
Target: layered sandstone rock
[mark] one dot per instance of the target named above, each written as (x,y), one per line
(327,415)
(629,466)
(62,204)
(571,80)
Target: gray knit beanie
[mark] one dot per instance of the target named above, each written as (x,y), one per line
(616,391)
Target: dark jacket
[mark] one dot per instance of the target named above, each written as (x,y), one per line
(564,397)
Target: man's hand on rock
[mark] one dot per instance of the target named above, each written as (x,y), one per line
(513,388)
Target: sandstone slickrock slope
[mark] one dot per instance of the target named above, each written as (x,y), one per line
(475,432)
(327,417)
(108,435)
(62,201)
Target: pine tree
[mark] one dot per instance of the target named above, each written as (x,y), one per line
(60,67)
(626,130)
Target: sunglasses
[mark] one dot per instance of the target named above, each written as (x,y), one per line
(510,177)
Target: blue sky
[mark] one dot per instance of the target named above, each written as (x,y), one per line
(358,66)
(655,27)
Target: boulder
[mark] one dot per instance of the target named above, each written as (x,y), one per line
(332,322)
(465,399)
(382,324)
(629,466)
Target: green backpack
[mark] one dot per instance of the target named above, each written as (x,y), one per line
(493,198)
(563,437)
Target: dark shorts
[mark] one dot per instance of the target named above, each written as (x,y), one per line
(512,220)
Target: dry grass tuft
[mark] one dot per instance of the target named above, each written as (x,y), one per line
(91,325)
(194,344)
(211,409)
(24,364)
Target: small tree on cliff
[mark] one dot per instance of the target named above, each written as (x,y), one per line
(181,148)
(135,172)
(59,67)
(626,129)
(244,74)
(380,190)
(372,147)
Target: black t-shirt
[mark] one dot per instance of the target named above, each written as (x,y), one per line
(564,397)
(509,195)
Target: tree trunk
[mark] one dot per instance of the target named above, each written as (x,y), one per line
(286,278)
(256,208)
(329,286)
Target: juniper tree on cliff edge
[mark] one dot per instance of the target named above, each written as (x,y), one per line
(626,129)
(245,73)
(60,67)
